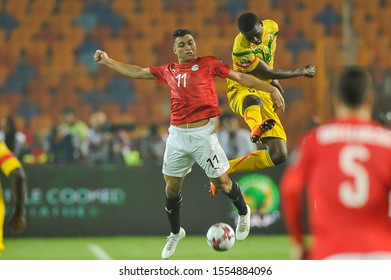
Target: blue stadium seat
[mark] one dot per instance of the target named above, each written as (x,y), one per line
(121,91)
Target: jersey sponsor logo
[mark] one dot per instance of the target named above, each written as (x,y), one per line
(245,61)
(195,67)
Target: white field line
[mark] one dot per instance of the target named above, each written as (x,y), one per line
(99,253)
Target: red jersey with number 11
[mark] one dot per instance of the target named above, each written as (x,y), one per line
(192,85)
(346,167)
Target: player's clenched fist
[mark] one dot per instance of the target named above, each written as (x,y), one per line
(100,56)
(309,71)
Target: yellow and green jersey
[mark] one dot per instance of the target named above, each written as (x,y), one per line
(8,162)
(246,56)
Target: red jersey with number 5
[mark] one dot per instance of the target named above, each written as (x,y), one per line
(192,85)
(346,167)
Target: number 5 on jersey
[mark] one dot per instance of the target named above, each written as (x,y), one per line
(354,194)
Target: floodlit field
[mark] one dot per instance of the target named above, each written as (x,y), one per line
(256,247)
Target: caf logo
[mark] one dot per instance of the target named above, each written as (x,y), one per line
(261,194)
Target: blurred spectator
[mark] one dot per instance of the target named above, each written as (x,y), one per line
(14,139)
(152,146)
(99,139)
(78,131)
(59,147)
(34,140)
(123,149)
(234,140)
(328,17)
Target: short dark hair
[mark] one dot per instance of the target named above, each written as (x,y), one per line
(353,86)
(180,33)
(247,21)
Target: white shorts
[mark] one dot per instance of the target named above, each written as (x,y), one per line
(185,146)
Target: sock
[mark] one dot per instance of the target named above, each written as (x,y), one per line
(173,210)
(252,162)
(237,198)
(252,116)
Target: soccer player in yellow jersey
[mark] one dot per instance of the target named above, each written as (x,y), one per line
(13,169)
(253,53)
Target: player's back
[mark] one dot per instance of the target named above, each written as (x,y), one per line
(349,183)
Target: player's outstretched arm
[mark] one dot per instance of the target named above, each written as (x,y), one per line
(132,71)
(252,82)
(266,72)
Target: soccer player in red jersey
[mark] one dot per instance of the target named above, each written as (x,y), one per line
(345,166)
(192,136)
(13,169)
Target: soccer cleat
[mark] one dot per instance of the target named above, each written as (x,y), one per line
(172,242)
(259,130)
(243,226)
(212,189)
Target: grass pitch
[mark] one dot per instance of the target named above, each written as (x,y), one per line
(255,247)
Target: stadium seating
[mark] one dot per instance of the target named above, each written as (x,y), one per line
(57,39)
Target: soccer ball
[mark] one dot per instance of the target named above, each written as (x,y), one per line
(220,237)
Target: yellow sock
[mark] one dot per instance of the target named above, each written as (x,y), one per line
(252,162)
(252,116)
